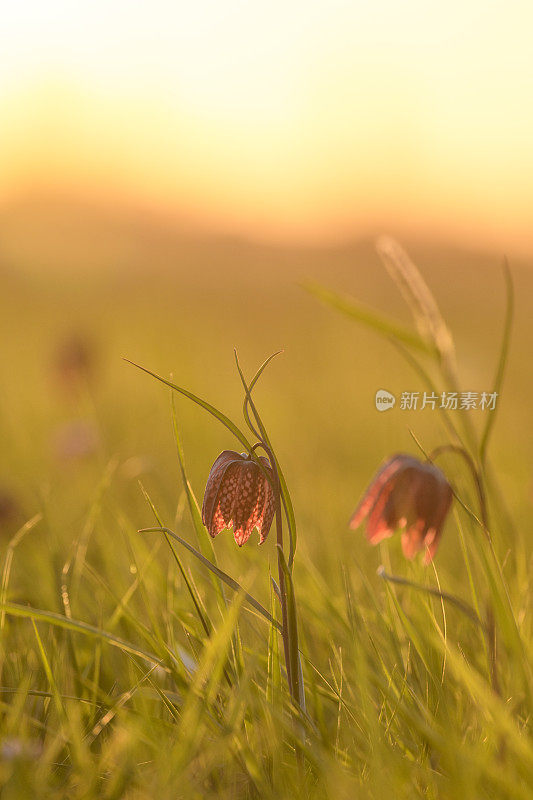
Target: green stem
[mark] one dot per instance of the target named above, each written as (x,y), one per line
(490,626)
(478,481)
(450,598)
(288,615)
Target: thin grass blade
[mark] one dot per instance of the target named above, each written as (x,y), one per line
(502,361)
(69,624)
(285,494)
(204,540)
(419,297)
(371,319)
(228,580)
(202,403)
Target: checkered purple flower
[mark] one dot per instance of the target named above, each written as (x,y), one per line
(238,496)
(406,493)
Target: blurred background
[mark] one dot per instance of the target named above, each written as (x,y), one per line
(299,122)
(171,172)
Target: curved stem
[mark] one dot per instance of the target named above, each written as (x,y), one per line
(450,598)
(262,435)
(288,634)
(246,413)
(288,604)
(478,481)
(490,627)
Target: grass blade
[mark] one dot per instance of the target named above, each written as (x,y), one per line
(420,299)
(205,685)
(285,495)
(367,316)
(204,540)
(205,621)
(502,361)
(202,403)
(218,572)
(297,690)
(49,675)
(69,624)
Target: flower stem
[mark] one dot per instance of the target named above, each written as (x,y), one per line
(478,481)
(450,598)
(286,586)
(288,615)
(490,625)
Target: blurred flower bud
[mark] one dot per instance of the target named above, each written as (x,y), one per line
(74,362)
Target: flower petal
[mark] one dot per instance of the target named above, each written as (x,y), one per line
(244,500)
(412,539)
(225,499)
(431,542)
(368,500)
(238,495)
(214,480)
(377,526)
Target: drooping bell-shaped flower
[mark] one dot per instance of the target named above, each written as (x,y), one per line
(238,496)
(406,493)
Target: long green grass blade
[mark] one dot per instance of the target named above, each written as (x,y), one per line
(6,572)
(248,389)
(502,361)
(297,688)
(273,687)
(285,495)
(429,590)
(228,580)
(205,542)
(433,389)
(49,675)
(205,685)
(204,619)
(370,318)
(420,298)
(69,624)
(202,403)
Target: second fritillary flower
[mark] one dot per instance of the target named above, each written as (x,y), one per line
(408,494)
(238,496)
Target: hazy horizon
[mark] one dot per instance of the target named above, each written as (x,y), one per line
(293,124)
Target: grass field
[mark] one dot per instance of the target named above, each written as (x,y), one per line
(127,668)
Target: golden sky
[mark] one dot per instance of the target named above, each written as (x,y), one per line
(294,120)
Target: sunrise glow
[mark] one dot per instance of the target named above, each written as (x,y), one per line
(285,121)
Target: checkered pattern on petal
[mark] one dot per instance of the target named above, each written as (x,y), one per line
(269,510)
(223,510)
(269,506)
(214,481)
(256,514)
(238,495)
(245,500)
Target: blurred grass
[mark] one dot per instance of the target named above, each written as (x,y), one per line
(397,689)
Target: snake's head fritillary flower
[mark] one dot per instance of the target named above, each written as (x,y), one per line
(406,493)
(238,496)
(75,362)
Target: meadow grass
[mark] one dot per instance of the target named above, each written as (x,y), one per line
(130,668)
